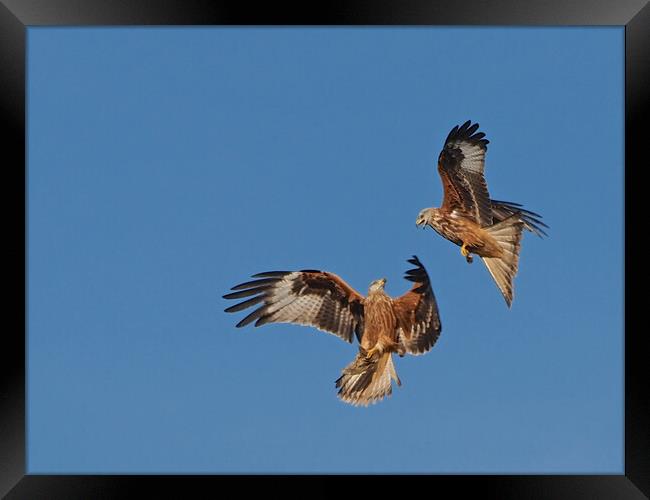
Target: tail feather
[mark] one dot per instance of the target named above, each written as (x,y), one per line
(366,381)
(503,269)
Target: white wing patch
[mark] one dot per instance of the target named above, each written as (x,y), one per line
(474,160)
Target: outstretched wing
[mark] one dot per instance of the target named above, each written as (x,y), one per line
(313,298)
(460,165)
(501,210)
(418,322)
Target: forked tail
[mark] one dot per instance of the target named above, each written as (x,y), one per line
(503,269)
(366,381)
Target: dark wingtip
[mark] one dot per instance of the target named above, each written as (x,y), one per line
(270,274)
(245,293)
(532,220)
(252,317)
(415,261)
(245,304)
(539,231)
(472,129)
(232,309)
(259,283)
(418,274)
(468,132)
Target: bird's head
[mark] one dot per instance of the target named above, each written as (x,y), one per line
(377,285)
(424,217)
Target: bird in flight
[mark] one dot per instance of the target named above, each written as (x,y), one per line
(382,325)
(469,218)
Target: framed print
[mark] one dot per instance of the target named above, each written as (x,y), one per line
(169,153)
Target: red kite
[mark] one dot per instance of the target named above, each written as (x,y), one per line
(382,325)
(468,217)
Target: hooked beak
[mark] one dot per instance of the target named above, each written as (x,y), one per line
(420,223)
(383,281)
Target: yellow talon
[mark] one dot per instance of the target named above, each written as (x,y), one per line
(371,352)
(465,252)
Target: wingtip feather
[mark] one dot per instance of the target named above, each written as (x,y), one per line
(270,274)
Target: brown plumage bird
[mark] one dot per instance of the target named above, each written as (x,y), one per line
(382,325)
(489,228)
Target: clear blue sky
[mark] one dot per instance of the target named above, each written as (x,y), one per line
(168,164)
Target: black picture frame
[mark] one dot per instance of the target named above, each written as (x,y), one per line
(17,15)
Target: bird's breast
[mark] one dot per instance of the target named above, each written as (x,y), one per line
(449,227)
(379,317)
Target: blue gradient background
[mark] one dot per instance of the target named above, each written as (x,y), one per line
(167,164)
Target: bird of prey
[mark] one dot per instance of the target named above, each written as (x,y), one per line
(469,218)
(381,324)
